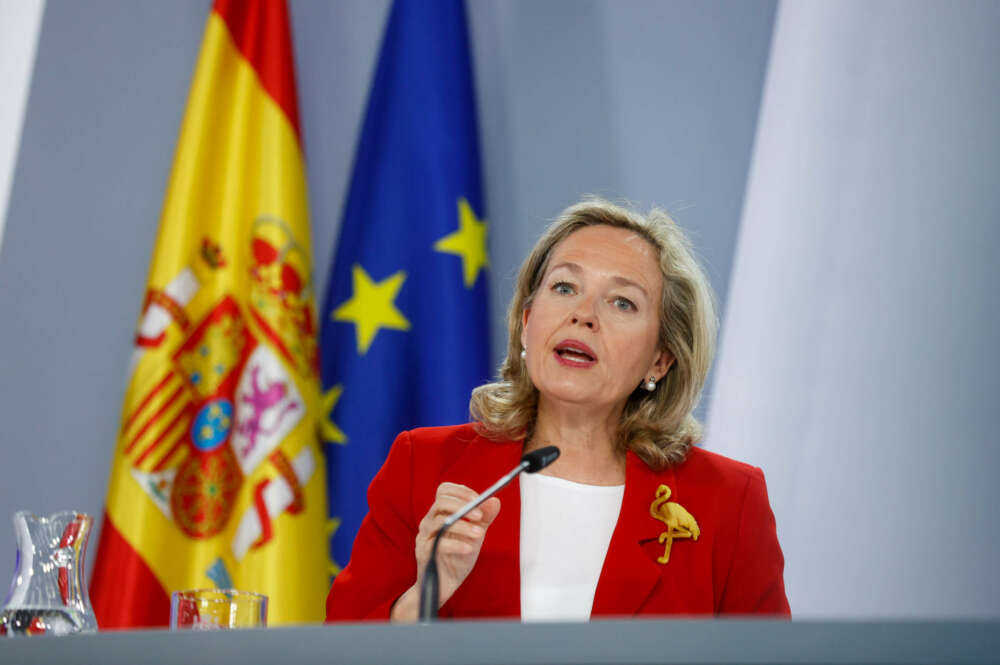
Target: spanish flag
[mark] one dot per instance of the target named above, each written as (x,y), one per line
(217,478)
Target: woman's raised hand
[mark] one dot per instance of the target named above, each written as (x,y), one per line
(459,547)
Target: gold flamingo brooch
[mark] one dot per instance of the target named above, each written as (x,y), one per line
(680,523)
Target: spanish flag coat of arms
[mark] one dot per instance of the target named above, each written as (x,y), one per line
(217,477)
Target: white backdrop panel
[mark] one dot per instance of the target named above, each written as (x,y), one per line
(859,364)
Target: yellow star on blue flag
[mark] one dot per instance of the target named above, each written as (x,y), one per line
(468,242)
(328,429)
(371,307)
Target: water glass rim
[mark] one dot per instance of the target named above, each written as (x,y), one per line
(203,594)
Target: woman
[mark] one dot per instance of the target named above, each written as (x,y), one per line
(612,329)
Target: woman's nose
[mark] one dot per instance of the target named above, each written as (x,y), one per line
(584,315)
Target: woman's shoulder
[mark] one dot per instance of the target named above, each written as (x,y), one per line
(705,460)
(446,435)
(442,446)
(710,468)
(428,456)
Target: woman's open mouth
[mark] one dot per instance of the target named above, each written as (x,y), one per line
(573,353)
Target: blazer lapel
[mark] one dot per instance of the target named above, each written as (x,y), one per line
(629,575)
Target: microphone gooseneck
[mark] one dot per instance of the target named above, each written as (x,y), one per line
(430,592)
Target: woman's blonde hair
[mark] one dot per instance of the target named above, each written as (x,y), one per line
(658,426)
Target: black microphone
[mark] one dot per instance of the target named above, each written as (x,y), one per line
(430,592)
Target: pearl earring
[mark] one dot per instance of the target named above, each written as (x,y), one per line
(524,353)
(650,384)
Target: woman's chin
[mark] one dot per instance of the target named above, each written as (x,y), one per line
(575,396)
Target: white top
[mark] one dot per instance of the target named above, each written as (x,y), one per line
(565,531)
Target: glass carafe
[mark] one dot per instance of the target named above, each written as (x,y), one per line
(48,595)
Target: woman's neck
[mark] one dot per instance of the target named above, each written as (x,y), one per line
(587,444)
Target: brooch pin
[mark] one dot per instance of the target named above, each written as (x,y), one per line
(680,523)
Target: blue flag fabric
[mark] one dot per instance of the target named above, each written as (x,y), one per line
(404,332)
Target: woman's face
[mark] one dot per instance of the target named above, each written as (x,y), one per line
(591,331)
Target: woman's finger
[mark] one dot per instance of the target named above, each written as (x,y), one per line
(447,506)
(449,503)
(488,510)
(443,507)
(466,530)
(454,546)
(430,525)
(455,490)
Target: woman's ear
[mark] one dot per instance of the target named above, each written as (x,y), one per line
(524,325)
(661,364)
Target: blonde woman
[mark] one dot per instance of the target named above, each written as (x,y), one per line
(612,329)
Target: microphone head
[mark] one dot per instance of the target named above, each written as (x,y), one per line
(541,458)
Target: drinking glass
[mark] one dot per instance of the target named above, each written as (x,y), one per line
(217,609)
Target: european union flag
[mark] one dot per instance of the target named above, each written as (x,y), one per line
(404,329)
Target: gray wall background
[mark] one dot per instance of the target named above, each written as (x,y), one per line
(655,102)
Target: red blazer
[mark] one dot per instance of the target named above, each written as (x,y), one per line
(734,567)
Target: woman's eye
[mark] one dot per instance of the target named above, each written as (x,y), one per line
(624,304)
(563,288)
